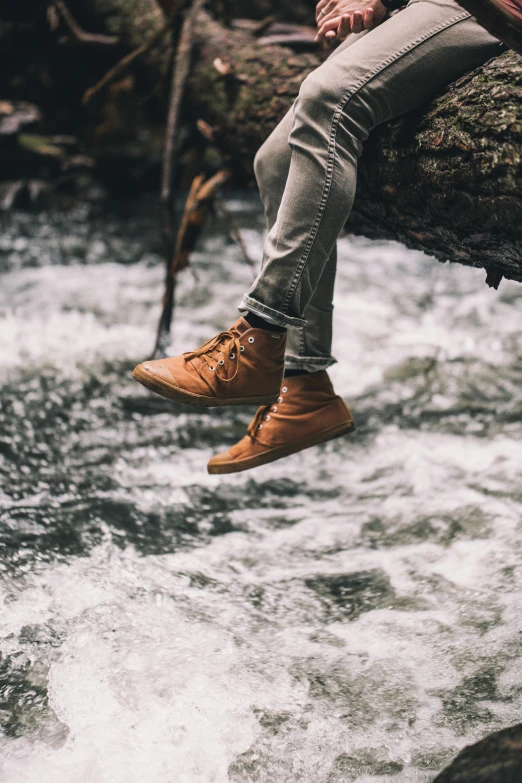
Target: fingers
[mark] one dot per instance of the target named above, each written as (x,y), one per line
(325,27)
(331,35)
(344,28)
(368,21)
(323,7)
(357,22)
(331,25)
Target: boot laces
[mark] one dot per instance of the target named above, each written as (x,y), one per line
(255,424)
(264,414)
(225,344)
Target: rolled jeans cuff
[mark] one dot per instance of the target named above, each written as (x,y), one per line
(272,316)
(309,363)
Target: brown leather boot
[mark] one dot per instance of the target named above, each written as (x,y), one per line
(242,366)
(307,412)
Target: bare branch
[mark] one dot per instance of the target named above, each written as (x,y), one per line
(79,34)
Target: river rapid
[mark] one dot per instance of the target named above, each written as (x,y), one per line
(352,613)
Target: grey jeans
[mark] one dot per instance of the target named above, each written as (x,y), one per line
(307,168)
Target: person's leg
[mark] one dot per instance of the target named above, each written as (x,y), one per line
(393,69)
(308,395)
(306,413)
(308,347)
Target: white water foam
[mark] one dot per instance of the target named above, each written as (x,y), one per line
(226,662)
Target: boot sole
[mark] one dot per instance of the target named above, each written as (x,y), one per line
(236,466)
(198,400)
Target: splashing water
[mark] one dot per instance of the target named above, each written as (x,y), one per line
(351,613)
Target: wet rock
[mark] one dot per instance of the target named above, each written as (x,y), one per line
(465,705)
(24,700)
(349,595)
(349,768)
(495,759)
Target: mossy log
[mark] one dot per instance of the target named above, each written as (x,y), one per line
(446,179)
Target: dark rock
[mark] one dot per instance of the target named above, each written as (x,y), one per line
(349,595)
(495,759)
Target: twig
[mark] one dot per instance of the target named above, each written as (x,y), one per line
(124,63)
(206,130)
(195,213)
(174,265)
(262,26)
(235,231)
(78,32)
(180,72)
(196,210)
(255,28)
(293,40)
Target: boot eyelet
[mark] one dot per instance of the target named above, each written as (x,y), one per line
(267,418)
(242,348)
(250,339)
(232,355)
(284,389)
(280,399)
(222,362)
(274,409)
(211,369)
(260,427)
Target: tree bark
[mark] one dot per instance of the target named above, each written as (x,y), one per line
(446,179)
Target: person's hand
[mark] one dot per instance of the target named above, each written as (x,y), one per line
(338,18)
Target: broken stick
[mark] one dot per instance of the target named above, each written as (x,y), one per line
(195,213)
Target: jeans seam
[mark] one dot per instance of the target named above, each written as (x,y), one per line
(309,361)
(302,341)
(333,138)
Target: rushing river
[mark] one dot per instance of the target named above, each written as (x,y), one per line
(352,613)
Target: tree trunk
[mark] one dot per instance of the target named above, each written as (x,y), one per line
(446,179)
